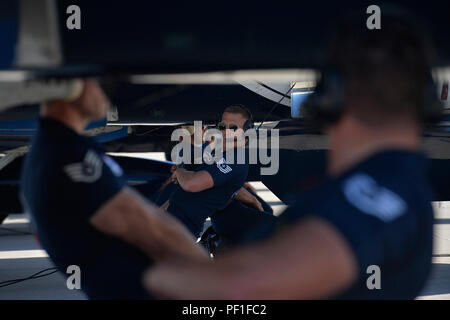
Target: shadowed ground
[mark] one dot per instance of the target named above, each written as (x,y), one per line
(21,256)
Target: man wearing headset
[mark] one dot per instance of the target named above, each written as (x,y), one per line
(371,218)
(248,196)
(210,187)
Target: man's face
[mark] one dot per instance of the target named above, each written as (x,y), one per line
(232,121)
(93,103)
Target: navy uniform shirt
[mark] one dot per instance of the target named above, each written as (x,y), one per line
(382,209)
(192,208)
(66,178)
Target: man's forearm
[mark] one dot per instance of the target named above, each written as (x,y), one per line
(292,265)
(168,237)
(193,181)
(248,199)
(184,178)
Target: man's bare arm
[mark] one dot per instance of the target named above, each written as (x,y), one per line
(133,219)
(193,181)
(310,260)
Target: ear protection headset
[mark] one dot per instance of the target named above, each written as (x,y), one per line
(326,105)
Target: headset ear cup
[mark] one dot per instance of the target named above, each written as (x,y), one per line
(325,106)
(248,125)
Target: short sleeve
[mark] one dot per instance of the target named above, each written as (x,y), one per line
(374,219)
(221,172)
(89,183)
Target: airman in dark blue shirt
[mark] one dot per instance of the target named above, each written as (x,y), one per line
(208,188)
(366,231)
(85,214)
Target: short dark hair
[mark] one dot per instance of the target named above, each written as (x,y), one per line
(387,68)
(239,109)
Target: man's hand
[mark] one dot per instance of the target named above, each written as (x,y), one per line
(173,178)
(169,180)
(258,205)
(92,99)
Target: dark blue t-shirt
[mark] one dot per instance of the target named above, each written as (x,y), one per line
(66,178)
(382,207)
(192,208)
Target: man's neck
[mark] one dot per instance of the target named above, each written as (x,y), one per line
(67,116)
(352,142)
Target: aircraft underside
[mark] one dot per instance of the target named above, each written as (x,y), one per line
(176,72)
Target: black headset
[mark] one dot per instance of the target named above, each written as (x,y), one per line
(325,106)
